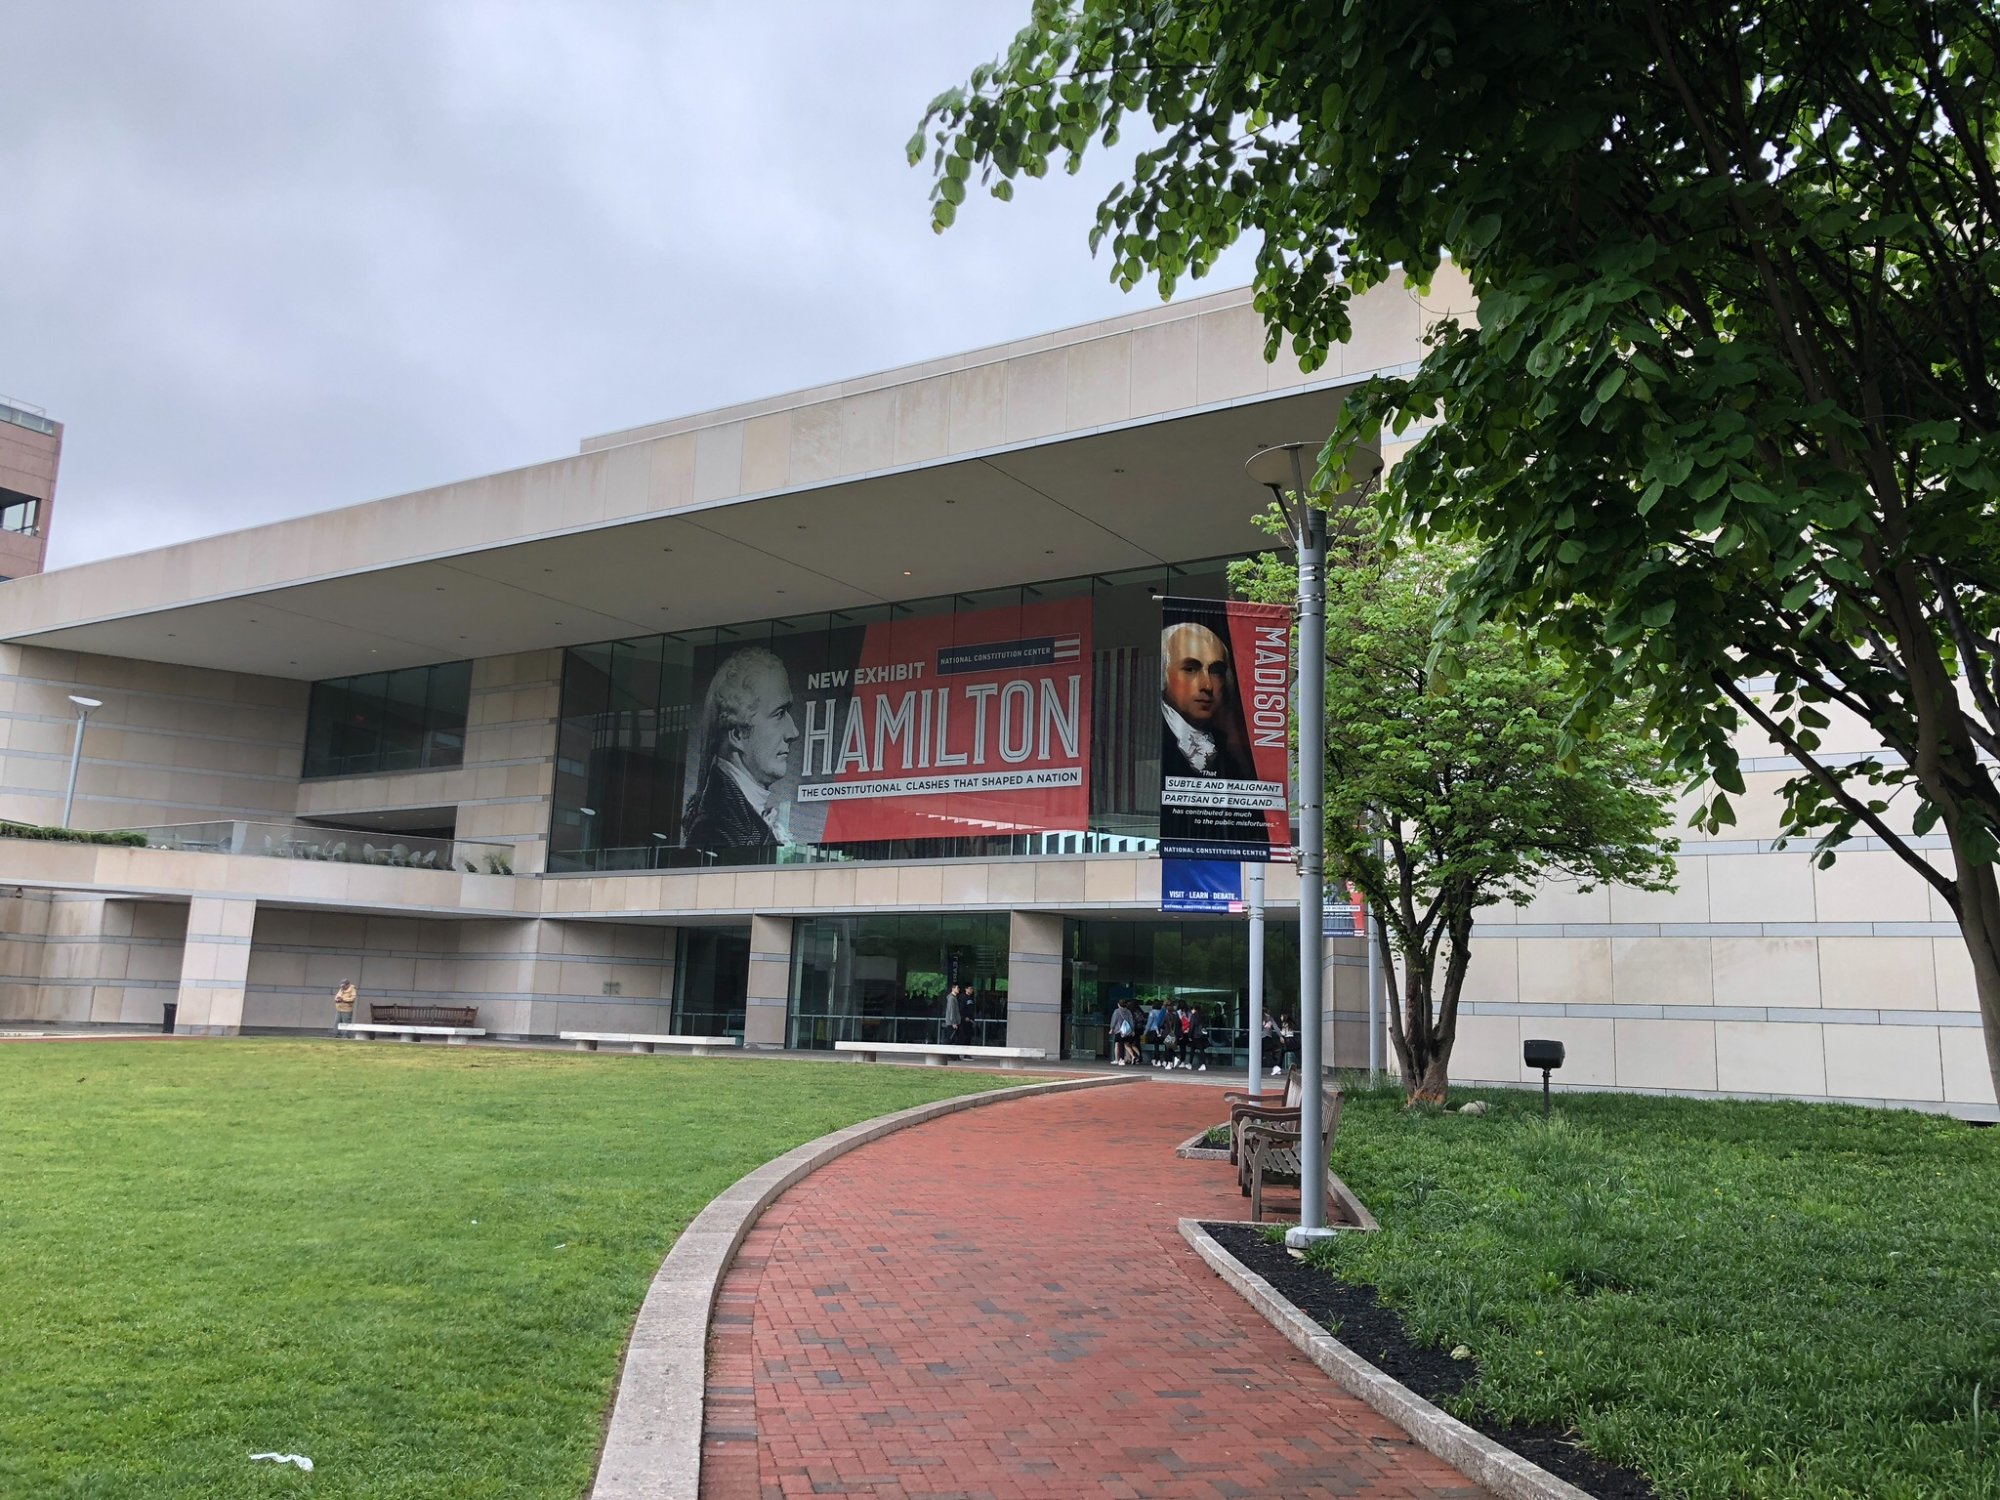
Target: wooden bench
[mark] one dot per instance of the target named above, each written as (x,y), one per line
(402,1014)
(453,1035)
(699,1046)
(934,1054)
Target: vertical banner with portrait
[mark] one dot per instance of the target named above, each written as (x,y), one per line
(1225,711)
(925,727)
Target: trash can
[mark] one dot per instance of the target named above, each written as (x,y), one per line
(167,1013)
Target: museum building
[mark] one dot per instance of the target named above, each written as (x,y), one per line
(783,719)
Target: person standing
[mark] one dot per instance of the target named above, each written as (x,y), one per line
(954,1017)
(1124,1035)
(343,1006)
(1273,1050)
(1197,1040)
(1288,1040)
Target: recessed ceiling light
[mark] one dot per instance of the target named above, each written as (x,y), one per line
(906,572)
(1118,471)
(1048,552)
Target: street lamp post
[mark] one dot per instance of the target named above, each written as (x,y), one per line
(1253,891)
(1273,467)
(83,707)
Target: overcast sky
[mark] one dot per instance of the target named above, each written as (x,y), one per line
(266,257)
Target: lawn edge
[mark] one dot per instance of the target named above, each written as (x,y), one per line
(1437,1432)
(652,1444)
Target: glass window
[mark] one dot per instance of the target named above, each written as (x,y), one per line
(388,721)
(887,978)
(445,714)
(19,513)
(1195,962)
(711,979)
(628,774)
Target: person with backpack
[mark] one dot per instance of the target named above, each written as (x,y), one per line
(1124,1035)
(1274,1050)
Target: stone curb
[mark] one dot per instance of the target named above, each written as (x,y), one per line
(652,1446)
(1472,1453)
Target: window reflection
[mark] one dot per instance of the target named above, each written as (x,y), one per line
(408,720)
(623,758)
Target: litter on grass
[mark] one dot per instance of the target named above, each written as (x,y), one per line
(285,1458)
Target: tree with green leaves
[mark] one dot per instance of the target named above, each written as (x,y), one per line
(1726,433)
(1448,793)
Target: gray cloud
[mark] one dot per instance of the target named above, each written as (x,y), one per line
(265,259)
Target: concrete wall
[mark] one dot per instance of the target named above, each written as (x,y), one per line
(81,959)
(170,745)
(525,977)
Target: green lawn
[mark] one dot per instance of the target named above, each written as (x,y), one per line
(415,1265)
(1740,1299)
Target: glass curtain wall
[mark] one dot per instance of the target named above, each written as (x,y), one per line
(711,979)
(883,978)
(410,720)
(623,757)
(1194,961)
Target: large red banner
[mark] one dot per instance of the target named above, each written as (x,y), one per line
(945,726)
(953,725)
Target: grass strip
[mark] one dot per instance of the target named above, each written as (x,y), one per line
(1740,1299)
(415,1265)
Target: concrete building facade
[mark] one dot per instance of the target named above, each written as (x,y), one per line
(440,743)
(30,454)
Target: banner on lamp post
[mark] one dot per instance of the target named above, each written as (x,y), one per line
(1201,885)
(1225,722)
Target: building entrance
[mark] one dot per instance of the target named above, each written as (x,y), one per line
(1203,963)
(888,978)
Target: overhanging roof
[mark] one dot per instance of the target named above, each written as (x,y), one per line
(1112,447)
(1166,492)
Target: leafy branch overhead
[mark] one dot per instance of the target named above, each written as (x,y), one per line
(1725,434)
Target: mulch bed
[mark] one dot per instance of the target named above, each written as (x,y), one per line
(1376,1333)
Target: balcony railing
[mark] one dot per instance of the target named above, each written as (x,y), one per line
(335,845)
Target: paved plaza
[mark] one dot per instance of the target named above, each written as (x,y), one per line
(997,1304)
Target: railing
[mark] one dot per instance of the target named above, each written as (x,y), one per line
(334,845)
(1136,836)
(23,415)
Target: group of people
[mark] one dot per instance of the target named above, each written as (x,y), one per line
(1176,1035)
(958,1021)
(1281,1044)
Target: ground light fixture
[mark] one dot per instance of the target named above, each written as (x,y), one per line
(1544,1055)
(1281,469)
(83,707)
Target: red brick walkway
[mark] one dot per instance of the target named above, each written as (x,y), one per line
(997,1305)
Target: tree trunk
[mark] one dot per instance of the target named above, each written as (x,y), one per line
(1979,923)
(1434,1085)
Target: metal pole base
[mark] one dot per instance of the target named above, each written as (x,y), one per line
(1300,1237)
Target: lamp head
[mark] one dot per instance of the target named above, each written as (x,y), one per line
(86,704)
(1542,1054)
